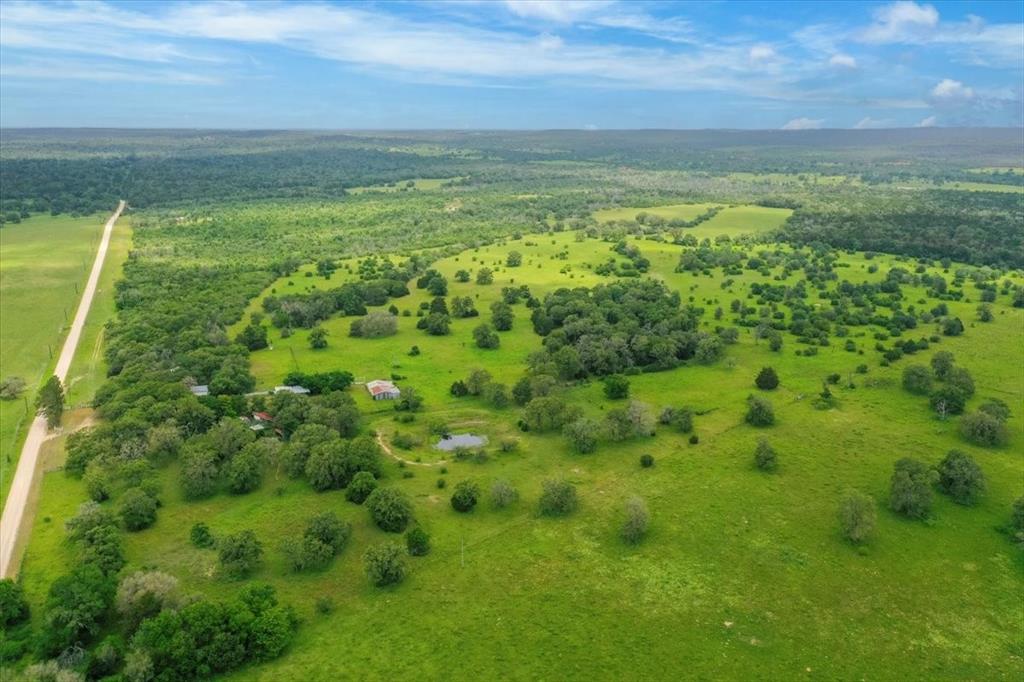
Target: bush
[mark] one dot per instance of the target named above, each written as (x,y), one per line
(324,605)
(917,379)
(390,509)
(11,387)
(486,337)
(942,362)
(947,400)
(1017,517)
(767,379)
(616,387)
(240,553)
(558,498)
(857,516)
(996,408)
(138,509)
(384,563)
(503,494)
(981,428)
(362,484)
(764,455)
(759,411)
(417,542)
(465,496)
(635,526)
(13,606)
(646,461)
(961,478)
(582,435)
(200,536)
(143,595)
(910,492)
(694,439)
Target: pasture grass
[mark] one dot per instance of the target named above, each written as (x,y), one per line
(44,265)
(403,185)
(741,571)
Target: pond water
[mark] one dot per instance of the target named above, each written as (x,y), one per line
(454,441)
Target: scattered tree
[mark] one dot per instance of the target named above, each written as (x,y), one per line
(390,509)
(634,528)
(465,496)
(384,564)
(767,379)
(917,379)
(857,516)
(764,455)
(910,492)
(417,542)
(240,553)
(759,411)
(50,402)
(503,494)
(558,498)
(961,478)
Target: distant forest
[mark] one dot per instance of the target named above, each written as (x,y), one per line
(87,171)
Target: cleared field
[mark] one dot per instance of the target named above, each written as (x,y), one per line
(674,211)
(403,186)
(45,262)
(741,570)
(731,220)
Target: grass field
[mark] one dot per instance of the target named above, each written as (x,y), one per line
(731,220)
(45,263)
(742,571)
(415,183)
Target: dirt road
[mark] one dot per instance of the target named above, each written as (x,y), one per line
(17,499)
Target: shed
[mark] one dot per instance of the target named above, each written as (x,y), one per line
(383,390)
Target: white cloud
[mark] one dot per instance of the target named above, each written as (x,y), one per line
(868,123)
(972,41)
(560,11)
(928,122)
(804,124)
(949,89)
(762,53)
(898,21)
(843,60)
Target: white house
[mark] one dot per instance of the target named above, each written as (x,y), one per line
(200,390)
(383,390)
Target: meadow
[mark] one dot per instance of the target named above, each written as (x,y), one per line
(46,261)
(741,570)
(799,252)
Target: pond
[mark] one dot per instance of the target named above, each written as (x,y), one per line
(454,441)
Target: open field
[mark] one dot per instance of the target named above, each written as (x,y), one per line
(414,184)
(45,263)
(741,569)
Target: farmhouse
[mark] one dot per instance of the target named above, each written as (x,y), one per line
(200,390)
(383,390)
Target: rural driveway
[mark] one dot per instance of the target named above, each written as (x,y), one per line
(21,485)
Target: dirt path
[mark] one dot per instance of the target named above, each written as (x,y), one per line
(391,453)
(17,499)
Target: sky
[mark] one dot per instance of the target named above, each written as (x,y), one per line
(511,64)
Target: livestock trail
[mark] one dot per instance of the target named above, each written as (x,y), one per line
(17,499)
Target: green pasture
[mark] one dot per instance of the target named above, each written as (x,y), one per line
(44,263)
(403,185)
(742,571)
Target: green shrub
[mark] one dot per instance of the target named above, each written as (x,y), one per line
(417,542)
(558,498)
(240,553)
(390,509)
(503,494)
(634,528)
(759,411)
(764,456)
(362,484)
(200,536)
(384,563)
(465,496)
(646,461)
(910,492)
(767,379)
(961,478)
(857,516)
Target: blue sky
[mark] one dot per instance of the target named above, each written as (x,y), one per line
(511,64)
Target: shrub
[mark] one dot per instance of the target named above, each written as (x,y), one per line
(1017,517)
(582,435)
(240,553)
(465,496)
(764,455)
(942,363)
(961,478)
(200,536)
(995,408)
(441,483)
(138,509)
(616,387)
(857,516)
(384,563)
(11,387)
(390,509)
(503,494)
(910,492)
(917,379)
(362,484)
(324,605)
(767,379)
(646,461)
(486,337)
(947,400)
(694,439)
(459,389)
(417,542)
(635,526)
(558,498)
(981,428)
(13,605)
(143,595)
(327,528)
(759,411)
(245,470)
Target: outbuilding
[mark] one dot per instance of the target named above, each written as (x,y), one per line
(383,390)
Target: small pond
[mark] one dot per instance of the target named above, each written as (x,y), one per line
(454,441)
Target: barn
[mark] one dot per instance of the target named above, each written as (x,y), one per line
(383,390)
